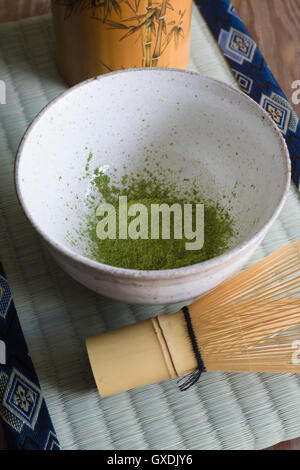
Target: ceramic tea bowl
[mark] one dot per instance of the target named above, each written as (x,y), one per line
(208,130)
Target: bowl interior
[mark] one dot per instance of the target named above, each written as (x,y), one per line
(196,127)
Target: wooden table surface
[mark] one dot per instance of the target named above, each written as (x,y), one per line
(273,24)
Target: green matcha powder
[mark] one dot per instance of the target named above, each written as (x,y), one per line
(149,254)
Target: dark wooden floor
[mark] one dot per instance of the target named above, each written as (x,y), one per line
(275,26)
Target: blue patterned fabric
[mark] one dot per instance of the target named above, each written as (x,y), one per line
(23,411)
(252,72)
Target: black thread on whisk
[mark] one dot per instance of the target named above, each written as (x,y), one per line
(194,376)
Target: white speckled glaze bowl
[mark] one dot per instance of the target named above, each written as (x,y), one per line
(207,129)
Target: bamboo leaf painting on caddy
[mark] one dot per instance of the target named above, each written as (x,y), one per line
(154,26)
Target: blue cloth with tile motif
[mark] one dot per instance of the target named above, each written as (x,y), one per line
(23,411)
(252,72)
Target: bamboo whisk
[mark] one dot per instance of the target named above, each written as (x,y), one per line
(249,323)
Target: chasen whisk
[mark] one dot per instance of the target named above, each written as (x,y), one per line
(250,323)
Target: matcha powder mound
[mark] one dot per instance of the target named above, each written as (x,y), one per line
(155,254)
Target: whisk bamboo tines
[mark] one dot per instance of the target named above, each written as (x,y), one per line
(252,322)
(249,323)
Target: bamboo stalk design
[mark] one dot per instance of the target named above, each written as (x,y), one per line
(162,24)
(148,42)
(155,31)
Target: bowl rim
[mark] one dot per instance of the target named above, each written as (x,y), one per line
(119,272)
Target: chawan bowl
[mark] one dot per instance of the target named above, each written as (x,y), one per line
(208,130)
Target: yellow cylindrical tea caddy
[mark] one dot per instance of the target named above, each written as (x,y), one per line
(95,37)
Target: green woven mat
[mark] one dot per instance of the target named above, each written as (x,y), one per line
(224,411)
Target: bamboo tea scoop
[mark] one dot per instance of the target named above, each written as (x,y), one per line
(250,323)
